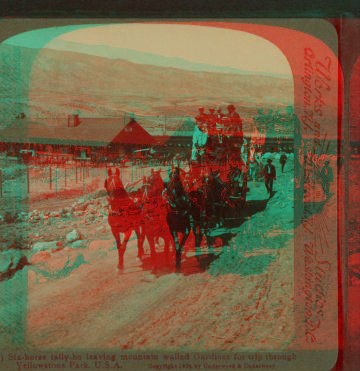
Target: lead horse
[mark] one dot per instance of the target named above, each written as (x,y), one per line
(124,216)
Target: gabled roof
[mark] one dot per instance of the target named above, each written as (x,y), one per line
(186,129)
(133,133)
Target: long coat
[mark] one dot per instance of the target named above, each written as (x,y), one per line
(269,171)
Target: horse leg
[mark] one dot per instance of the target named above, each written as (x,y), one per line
(209,241)
(177,249)
(117,237)
(183,241)
(165,234)
(166,245)
(198,238)
(123,248)
(116,233)
(140,233)
(151,239)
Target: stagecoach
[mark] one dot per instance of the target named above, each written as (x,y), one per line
(204,199)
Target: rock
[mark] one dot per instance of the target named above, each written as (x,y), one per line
(82,207)
(73,236)
(45,246)
(78,243)
(9,260)
(21,218)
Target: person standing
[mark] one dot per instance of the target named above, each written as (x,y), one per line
(258,157)
(199,141)
(269,175)
(283,159)
(326,178)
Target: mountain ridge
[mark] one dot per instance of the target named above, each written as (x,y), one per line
(136,56)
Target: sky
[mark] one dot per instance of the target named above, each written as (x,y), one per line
(178,45)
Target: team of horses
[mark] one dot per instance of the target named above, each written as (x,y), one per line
(173,209)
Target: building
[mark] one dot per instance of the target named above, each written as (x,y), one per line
(133,138)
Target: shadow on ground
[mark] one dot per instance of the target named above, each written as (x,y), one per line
(309,209)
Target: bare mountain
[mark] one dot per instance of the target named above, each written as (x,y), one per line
(63,80)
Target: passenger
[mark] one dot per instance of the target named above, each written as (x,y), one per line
(201,118)
(235,121)
(234,125)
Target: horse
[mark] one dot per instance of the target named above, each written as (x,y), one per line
(123,216)
(153,210)
(206,208)
(178,213)
(214,202)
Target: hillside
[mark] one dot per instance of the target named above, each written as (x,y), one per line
(104,86)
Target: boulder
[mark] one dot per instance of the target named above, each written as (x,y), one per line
(9,260)
(45,246)
(73,236)
(78,243)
